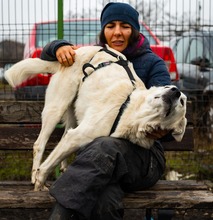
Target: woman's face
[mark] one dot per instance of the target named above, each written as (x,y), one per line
(117,35)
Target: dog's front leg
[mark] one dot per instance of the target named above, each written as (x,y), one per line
(70,143)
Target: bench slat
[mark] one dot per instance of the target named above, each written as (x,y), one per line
(25,199)
(178,194)
(22,137)
(161,185)
(187,199)
(150,199)
(20,111)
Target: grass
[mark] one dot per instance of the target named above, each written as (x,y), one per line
(192,165)
(16,165)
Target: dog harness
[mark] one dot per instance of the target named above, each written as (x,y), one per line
(120,61)
(124,64)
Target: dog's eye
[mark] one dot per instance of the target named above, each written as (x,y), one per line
(182,102)
(157,97)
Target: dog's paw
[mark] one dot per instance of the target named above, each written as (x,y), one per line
(40,187)
(39,181)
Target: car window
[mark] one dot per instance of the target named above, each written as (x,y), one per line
(77,32)
(208,49)
(82,32)
(181,49)
(195,50)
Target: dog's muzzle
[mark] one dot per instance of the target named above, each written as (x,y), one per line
(170,98)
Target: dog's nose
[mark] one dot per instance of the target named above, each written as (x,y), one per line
(171,95)
(175,92)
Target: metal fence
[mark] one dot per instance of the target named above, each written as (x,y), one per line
(169,20)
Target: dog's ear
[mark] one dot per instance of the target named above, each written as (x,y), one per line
(180,130)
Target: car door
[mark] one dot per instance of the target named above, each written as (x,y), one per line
(193,77)
(181,51)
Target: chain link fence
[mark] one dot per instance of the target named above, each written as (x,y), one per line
(26,26)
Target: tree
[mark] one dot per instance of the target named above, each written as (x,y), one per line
(10,52)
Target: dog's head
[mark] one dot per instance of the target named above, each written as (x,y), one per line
(165,109)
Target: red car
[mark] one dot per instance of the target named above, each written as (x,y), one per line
(79,32)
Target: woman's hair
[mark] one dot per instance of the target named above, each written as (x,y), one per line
(133,38)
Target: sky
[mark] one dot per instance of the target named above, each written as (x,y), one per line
(16,11)
(17,16)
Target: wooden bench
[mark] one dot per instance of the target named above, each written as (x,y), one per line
(19,128)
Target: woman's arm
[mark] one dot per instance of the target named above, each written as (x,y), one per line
(49,51)
(60,50)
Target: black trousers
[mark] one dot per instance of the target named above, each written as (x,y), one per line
(93,186)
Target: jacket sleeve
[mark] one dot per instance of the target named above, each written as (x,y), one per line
(152,70)
(158,73)
(49,51)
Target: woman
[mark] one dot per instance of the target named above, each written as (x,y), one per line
(94,184)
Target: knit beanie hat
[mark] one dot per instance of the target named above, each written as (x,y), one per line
(117,11)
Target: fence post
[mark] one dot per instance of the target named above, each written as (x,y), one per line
(60,20)
(60,32)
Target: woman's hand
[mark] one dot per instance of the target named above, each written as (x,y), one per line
(66,55)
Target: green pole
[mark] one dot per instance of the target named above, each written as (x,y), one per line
(60,32)
(60,20)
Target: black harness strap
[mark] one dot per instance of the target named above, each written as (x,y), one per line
(100,65)
(117,119)
(121,62)
(124,64)
(86,65)
(111,53)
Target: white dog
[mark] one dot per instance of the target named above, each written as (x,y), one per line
(96,101)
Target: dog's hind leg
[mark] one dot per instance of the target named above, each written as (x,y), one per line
(50,118)
(70,143)
(51,115)
(56,104)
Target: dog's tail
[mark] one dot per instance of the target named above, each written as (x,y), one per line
(29,68)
